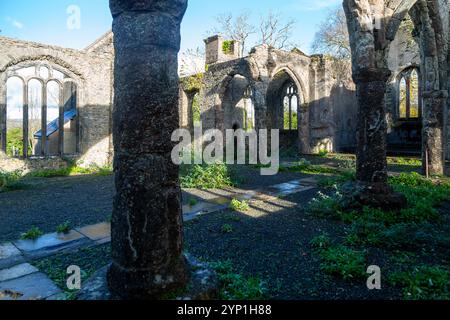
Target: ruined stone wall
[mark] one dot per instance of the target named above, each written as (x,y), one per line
(92,70)
(327,108)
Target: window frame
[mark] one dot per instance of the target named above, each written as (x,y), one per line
(406,75)
(14,72)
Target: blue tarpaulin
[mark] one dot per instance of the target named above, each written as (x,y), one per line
(53,126)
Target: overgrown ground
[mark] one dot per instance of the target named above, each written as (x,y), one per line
(304,246)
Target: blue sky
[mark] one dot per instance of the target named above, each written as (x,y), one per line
(46,20)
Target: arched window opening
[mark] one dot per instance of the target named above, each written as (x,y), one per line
(35,103)
(249,110)
(14,117)
(409,106)
(41,113)
(290,106)
(196,111)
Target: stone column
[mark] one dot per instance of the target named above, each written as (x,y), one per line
(371,130)
(371,164)
(433,133)
(147,217)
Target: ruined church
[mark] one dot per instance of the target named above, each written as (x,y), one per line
(309,98)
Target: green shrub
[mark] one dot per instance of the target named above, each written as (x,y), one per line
(10,181)
(423,283)
(234,286)
(321,242)
(32,234)
(206,176)
(64,228)
(323,153)
(304,166)
(240,206)
(193,202)
(343,262)
(227,228)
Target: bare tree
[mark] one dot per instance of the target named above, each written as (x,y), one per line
(332,37)
(275,32)
(332,40)
(237,28)
(192,61)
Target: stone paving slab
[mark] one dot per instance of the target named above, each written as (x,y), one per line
(97,231)
(36,286)
(17,271)
(8,250)
(48,241)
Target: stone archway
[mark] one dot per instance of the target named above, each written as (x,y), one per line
(279,87)
(372,26)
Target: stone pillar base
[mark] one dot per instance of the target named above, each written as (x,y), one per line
(376,195)
(203,285)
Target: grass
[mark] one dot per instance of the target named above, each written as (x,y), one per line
(423,283)
(10,181)
(304,166)
(64,228)
(71,170)
(339,260)
(239,206)
(32,234)
(192,202)
(227,228)
(234,286)
(214,176)
(403,235)
(88,259)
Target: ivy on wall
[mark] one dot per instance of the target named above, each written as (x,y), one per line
(192,83)
(227,46)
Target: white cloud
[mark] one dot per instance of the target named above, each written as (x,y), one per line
(15,23)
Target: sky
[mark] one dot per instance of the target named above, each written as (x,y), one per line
(54,21)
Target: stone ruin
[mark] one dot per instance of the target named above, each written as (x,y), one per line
(399,91)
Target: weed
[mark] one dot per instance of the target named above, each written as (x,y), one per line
(234,286)
(32,234)
(240,206)
(423,283)
(227,228)
(64,228)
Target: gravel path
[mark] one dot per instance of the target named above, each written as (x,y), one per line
(48,202)
(272,241)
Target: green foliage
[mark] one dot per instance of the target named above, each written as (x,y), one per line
(241,206)
(64,227)
(424,283)
(89,259)
(213,176)
(343,262)
(321,242)
(304,166)
(10,181)
(323,153)
(71,170)
(192,83)
(294,121)
(14,141)
(196,110)
(32,234)
(405,161)
(408,227)
(192,202)
(335,181)
(227,46)
(234,286)
(227,228)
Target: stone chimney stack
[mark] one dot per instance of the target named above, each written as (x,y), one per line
(220,50)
